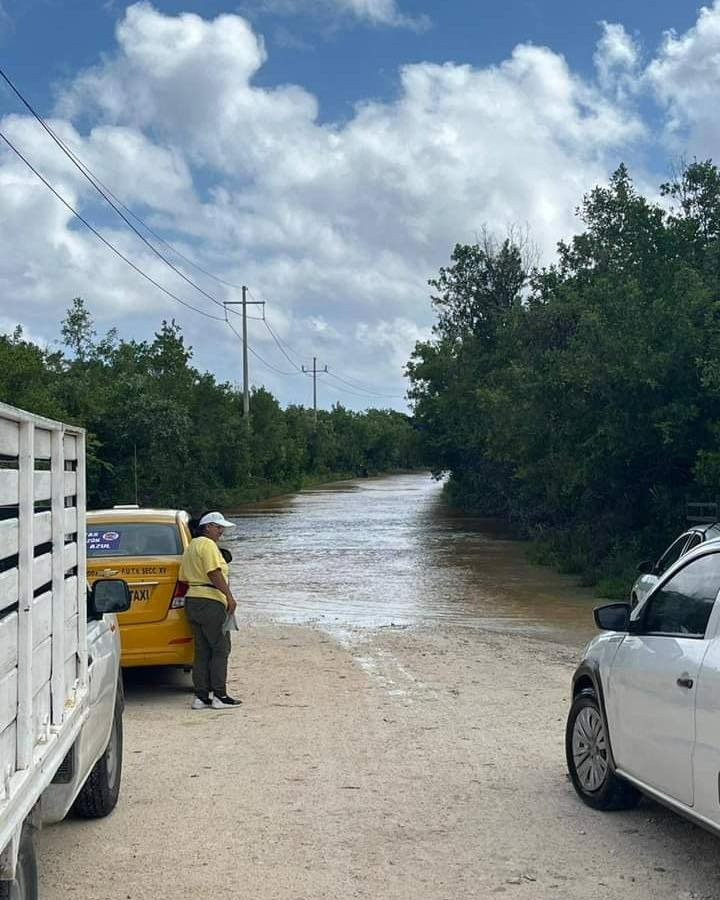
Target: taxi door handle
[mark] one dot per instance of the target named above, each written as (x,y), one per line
(685,682)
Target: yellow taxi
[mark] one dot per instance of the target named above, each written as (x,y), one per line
(144,548)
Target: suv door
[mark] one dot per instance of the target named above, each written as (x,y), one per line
(652,680)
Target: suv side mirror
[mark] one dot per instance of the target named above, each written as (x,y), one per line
(646,568)
(109,595)
(612,617)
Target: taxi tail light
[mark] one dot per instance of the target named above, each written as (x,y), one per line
(178,598)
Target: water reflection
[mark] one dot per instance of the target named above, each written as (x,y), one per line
(384,551)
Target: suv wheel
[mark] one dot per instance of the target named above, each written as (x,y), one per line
(588,758)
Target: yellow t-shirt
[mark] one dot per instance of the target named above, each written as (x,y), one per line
(202,556)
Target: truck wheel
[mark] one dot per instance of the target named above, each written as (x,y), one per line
(25,885)
(99,794)
(588,759)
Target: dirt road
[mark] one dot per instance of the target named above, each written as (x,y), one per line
(400,763)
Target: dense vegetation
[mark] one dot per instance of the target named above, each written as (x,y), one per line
(152,417)
(582,400)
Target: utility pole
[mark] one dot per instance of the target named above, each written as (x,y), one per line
(315,372)
(244,303)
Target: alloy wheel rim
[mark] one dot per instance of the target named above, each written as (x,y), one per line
(589,749)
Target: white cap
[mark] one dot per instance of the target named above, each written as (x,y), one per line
(216,518)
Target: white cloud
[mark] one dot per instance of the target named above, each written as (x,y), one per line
(384,12)
(377,12)
(686,79)
(391,337)
(339,226)
(617,58)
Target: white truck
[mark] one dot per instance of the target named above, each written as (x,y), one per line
(61,697)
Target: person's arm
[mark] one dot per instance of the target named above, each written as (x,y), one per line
(218,580)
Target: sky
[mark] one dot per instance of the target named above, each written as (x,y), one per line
(328,154)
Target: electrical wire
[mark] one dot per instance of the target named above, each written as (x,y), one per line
(368,392)
(87,174)
(120,208)
(160,238)
(363,392)
(275,337)
(104,240)
(280,346)
(364,397)
(257,355)
(283,347)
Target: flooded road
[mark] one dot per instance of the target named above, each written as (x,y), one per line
(387,551)
(419,763)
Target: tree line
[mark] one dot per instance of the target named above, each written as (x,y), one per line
(164,433)
(581,400)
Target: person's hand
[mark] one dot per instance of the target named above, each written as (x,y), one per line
(231,605)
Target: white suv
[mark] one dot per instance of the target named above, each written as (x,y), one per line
(645,714)
(652,572)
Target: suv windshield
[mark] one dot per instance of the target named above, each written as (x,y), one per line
(133,539)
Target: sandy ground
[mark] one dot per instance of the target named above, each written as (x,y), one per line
(401,763)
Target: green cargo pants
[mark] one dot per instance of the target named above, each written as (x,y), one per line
(212,645)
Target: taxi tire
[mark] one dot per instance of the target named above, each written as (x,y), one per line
(25,884)
(99,795)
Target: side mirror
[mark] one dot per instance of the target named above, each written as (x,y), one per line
(612,617)
(109,595)
(646,568)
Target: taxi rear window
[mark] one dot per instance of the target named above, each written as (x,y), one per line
(133,539)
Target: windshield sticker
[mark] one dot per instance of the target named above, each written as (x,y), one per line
(103,540)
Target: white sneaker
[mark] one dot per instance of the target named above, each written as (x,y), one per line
(225,702)
(199,703)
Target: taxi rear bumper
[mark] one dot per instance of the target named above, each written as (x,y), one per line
(165,643)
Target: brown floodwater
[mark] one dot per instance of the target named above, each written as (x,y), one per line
(387,551)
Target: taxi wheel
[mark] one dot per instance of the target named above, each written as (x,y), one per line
(99,794)
(25,884)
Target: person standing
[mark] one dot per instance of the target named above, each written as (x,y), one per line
(208,603)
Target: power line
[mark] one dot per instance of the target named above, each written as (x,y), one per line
(162,240)
(102,238)
(363,390)
(356,386)
(364,397)
(257,355)
(87,174)
(280,346)
(107,194)
(277,340)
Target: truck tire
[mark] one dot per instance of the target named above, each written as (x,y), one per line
(25,884)
(99,795)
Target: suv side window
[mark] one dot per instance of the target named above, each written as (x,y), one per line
(682,606)
(695,541)
(671,555)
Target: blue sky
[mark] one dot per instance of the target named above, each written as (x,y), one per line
(341,60)
(328,153)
